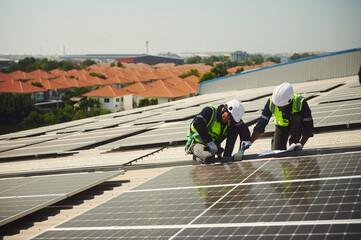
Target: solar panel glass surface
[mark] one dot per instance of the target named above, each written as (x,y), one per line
(310,197)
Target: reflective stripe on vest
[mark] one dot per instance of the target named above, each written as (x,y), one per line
(296,107)
(214,129)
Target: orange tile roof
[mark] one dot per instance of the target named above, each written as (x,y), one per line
(191,79)
(22,75)
(49,84)
(19,87)
(5,77)
(137,87)
(119,79)
(71,82)
(174,80)
(58,72)
(42,74)
(159,83)
(163,91)
(107,91)
(187,87)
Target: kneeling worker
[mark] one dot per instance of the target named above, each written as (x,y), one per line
(292,117)
(213,125)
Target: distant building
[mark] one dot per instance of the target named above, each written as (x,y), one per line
(239,56)
(5,63)
(150,59)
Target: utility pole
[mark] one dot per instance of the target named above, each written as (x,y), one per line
(146,43)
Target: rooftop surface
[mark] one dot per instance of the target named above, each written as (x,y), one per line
(162,194)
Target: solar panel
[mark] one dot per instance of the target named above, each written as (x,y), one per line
(347,92)
(164,134)
(72,142)
(313,197)
(22,196)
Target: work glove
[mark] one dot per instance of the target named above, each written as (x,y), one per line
(238,156)
(298,147)
(212,148)
(245,145)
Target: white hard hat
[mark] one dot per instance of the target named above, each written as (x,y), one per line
(236,109)
(283,95)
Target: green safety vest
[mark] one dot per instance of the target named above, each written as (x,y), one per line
(296,107)
(214,129)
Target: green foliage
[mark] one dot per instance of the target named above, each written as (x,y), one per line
(89,103)
(193,60)
(112,65)
(30,64)
(76,92)
(34,119)
(207,76)
(153,101)
(297,56)
(119,64)
(220,70)
(191,72)
(87,63)
(37,84)
(274,59)
(49,118)
(143,102)
(14,107)
(239,70)
(257,59)
(146,102)
(93,74)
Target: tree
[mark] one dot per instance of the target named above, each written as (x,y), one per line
(297,56)
(49,118)
(207,76)
(34,119)
(191,72)
(192,60)
(220,70)
(143,102)
(257,59)
(274,59)
(153,101)
(239,70)
(87,63)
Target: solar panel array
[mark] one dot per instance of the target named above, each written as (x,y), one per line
(311,197)
(135,127)
(22,196)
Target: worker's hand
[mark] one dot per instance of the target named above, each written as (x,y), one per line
(212,148)
(245,145)
(239,155)
(298,147)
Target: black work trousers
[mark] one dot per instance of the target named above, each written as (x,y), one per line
(279,141)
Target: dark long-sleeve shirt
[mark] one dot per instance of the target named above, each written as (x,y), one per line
(307,120)
(200,124)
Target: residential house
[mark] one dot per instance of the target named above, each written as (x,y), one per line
(111,98)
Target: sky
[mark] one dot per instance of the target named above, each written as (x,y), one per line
(47,27)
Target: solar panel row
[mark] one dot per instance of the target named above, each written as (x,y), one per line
(314,197)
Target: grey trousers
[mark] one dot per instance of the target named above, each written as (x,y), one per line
(279,141)
(201,155)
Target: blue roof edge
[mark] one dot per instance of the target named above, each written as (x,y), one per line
(280,64)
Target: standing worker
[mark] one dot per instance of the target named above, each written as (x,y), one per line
(292,117)
(211,126)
